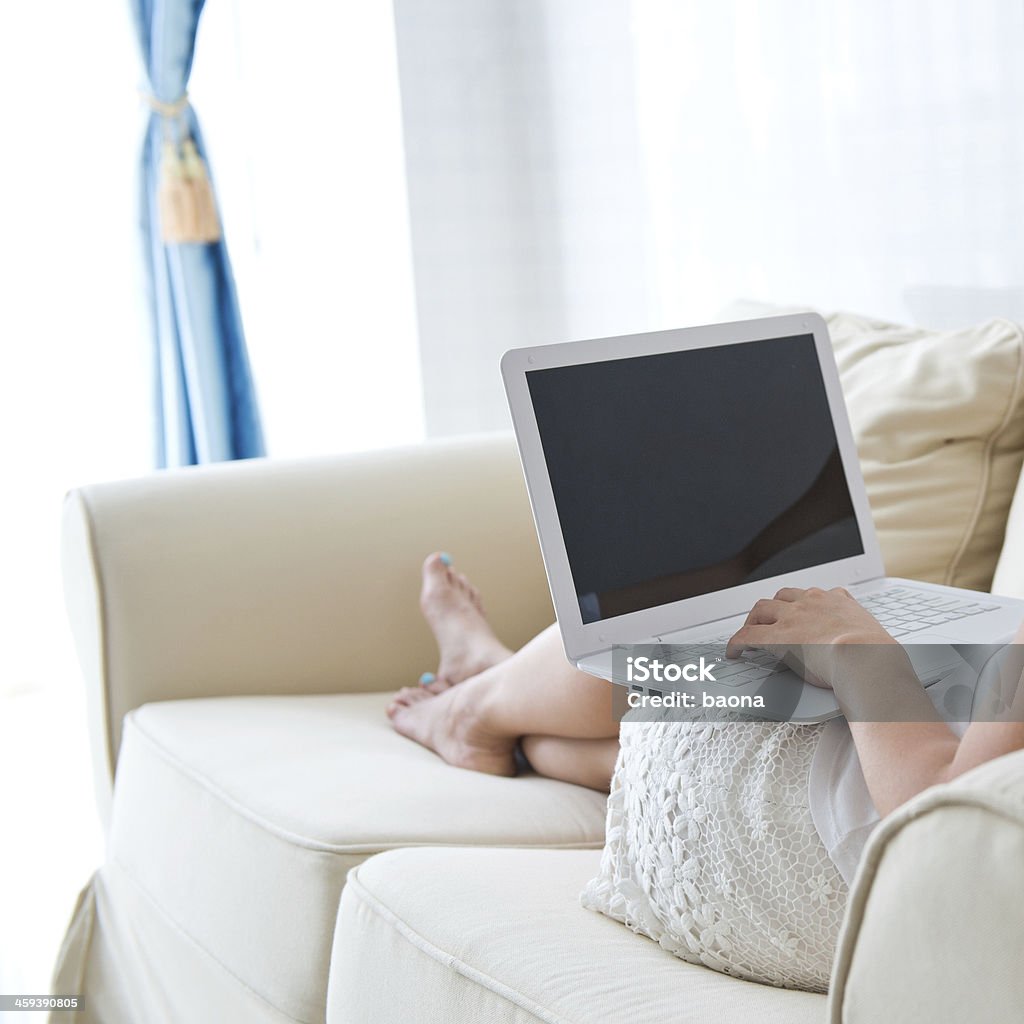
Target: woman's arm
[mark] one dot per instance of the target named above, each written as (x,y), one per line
(903,744)
(900,759)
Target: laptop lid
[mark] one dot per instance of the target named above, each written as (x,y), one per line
(678,476)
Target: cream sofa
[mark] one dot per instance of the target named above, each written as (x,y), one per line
(276,853)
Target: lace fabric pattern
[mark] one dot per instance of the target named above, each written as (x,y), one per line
(711,850)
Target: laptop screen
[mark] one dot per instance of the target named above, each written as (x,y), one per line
(685,473)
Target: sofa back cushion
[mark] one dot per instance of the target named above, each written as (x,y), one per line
(938,417)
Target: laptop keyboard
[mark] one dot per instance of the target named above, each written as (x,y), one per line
(901,610)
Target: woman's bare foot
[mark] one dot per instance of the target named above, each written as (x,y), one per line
(453,610)
(452,724)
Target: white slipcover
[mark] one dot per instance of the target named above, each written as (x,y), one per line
(235,822)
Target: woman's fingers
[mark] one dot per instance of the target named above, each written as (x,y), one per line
(790,594)
(764,613)
(754,635)
(757,629)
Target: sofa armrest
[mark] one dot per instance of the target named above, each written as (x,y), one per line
(935,925)
(289,576)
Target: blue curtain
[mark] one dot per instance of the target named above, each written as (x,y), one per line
(205,405)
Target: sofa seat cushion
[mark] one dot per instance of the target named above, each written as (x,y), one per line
(468,935)
(240,817)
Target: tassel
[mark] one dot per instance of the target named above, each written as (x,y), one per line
(207,223)
(188,212)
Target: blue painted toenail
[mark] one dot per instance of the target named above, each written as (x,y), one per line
(446,559)
(427,678)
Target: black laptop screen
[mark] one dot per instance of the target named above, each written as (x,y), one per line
(685,473)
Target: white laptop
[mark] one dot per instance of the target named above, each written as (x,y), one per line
(679,476)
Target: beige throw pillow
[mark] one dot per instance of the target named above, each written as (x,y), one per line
(939,423)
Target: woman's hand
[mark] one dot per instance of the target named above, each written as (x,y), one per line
(903,745)
(804,628)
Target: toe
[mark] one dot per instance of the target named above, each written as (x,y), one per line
(434,567)
(437,579)
(433,684)
(405,698)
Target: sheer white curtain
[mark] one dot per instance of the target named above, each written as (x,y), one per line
(850,155)
(589,167)
(526,187)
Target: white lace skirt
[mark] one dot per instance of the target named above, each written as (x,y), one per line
(711,850)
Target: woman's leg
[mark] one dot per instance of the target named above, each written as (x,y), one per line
(534,692)
(586,762)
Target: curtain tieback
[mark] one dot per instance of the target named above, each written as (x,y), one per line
(173,109)
(188,210)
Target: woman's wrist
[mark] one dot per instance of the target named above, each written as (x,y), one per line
(874,681)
